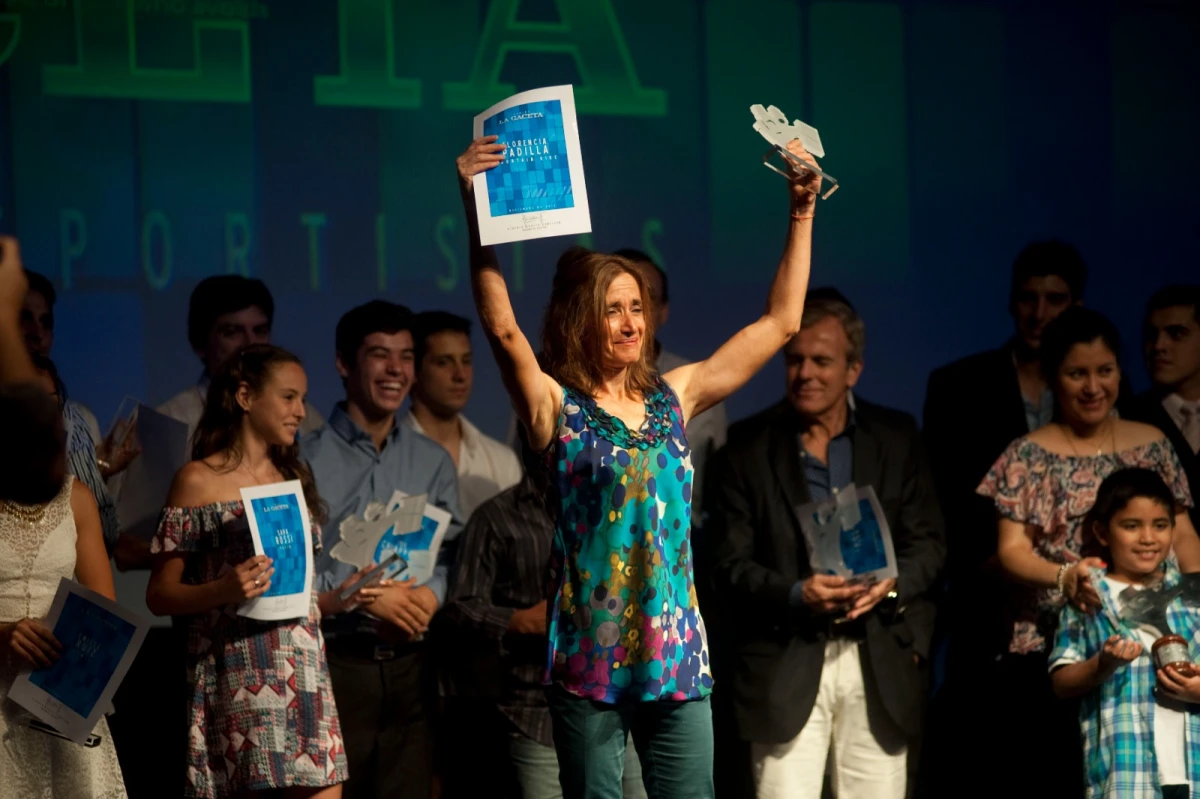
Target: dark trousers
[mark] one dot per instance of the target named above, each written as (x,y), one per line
(1005,714)
(476,726)
(150,725)
(386,709)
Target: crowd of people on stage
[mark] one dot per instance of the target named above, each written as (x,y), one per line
(592,629)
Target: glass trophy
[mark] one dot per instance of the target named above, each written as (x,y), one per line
(847,535)
(1146,608)
(773,125)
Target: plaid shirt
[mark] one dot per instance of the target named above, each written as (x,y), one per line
(1117,719)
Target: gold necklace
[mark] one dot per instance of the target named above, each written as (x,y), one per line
(1100,449)
(29,514)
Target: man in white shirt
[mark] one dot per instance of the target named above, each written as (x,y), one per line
(226,313)
(444,377)
(1171,338)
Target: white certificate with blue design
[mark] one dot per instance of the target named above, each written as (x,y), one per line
(99,642)
(538,190)
(281,529)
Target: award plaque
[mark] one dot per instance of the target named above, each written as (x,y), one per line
(1146,608)
(773,125)
(848,535)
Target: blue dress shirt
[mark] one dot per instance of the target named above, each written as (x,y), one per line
(826,479)
(351,473)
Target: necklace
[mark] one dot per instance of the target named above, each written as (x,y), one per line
(1112,426)
(29,514)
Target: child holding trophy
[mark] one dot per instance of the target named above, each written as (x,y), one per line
(1131,663)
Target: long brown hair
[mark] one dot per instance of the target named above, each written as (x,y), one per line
(575,325)
(220,425)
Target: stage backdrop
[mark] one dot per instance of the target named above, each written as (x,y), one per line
(145,144)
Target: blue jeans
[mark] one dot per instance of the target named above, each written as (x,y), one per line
(674,743)
(536,769)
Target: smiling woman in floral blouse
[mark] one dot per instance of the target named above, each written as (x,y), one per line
(1043,486)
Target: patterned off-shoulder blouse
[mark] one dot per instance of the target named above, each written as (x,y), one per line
(1054,493)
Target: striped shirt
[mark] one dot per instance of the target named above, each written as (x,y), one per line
(81,462)
(502,567)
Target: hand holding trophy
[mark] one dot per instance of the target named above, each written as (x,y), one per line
(798,165)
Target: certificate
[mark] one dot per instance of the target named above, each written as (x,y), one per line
(848,536)
(99,642)
(281,529)
(538,190)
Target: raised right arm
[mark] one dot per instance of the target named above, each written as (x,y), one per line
(536,397)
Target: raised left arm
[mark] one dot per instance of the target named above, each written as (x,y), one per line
(91,559)
(703,384)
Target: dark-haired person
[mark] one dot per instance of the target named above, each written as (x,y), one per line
(819,667)
(261,711)
(1171,343)
(1043,486)
(444,377)
(30,422)
(627,645)
(974,408)
(41,543)
(225,313)
(382,677)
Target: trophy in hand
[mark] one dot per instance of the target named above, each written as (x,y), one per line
(1147,609)
(774,126)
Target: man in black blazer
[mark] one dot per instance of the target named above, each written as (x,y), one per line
(1172,345)
(799,678)
(977,406)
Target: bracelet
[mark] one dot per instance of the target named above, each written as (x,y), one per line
(797,216)
(1062,573)
(103,464)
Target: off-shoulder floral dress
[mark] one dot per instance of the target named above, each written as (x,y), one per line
(261,710)
(1054,493)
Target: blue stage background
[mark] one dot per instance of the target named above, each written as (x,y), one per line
(145,144)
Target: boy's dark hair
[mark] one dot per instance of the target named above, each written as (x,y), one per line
(221,294)
(41,284)
(639,257)
(1046,258)
(376,316)
(1125,485)
(1076,325)
(430,323)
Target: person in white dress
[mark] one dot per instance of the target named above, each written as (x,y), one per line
(39,545)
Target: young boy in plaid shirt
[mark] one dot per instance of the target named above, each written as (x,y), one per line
(1141,732)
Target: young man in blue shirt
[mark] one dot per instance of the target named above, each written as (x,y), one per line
(383,679)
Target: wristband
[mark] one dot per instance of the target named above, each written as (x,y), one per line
(1062,574)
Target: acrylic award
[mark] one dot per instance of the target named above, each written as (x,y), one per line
(773,125)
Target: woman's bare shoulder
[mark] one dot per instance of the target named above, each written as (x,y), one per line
(1136,434)
(199,483)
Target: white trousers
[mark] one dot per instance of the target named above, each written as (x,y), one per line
(861,765)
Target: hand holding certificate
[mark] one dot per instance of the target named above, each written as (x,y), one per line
(282,532)
(99,640)
(527,174)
